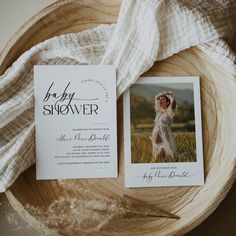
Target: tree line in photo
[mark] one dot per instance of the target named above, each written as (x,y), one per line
(143,114)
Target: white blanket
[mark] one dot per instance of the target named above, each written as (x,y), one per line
(146,31)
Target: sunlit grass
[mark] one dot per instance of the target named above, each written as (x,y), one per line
(141,148)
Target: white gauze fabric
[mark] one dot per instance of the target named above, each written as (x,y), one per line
(146,31)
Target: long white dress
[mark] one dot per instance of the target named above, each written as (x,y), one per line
(162,135)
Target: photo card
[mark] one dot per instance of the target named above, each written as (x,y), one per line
(163,132)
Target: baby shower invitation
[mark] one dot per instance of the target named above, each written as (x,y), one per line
(75,119)
(163,133)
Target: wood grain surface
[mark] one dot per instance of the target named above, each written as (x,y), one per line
(36,200)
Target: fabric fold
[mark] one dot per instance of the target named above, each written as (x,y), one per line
(134,44)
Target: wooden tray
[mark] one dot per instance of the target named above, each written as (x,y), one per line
(193,204)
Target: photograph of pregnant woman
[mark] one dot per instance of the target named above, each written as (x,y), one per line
(163,141)
(162,123)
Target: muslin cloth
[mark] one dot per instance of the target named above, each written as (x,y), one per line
(146,31)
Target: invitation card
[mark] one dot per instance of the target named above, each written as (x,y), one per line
(75,119)
(163,133)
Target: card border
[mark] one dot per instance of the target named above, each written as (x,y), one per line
(83,172)
(132,168)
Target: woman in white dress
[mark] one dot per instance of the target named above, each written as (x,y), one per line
(163,141)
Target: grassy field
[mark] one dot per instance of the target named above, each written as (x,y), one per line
(175,127)
(142,147)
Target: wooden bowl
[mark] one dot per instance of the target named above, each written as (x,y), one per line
(192,204)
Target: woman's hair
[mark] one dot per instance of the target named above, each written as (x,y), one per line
(167,99)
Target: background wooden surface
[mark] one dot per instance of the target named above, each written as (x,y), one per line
(163,71)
